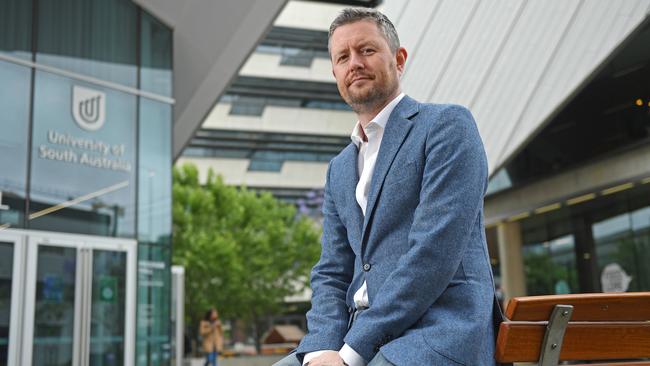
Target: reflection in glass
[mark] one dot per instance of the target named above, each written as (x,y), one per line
(155,56)
(91,37)
(641,229)
(6,274)
(153,317)
(16,28)
(625,240)
(55,299)
(108,308)
(499,181)
(551,267)
(14,121)
(83,178)
(154,198)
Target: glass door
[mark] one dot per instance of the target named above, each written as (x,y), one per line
(11,254)
(54,308)
(107,310)
(6,277)
(80,301)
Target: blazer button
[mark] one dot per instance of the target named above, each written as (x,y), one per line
(366,267)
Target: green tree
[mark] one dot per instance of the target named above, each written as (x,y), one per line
(243,251)
(542,273)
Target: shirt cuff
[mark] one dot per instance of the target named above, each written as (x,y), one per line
(311,355)
(351,357)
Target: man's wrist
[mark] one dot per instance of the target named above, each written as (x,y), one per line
(311,355)
(351,357)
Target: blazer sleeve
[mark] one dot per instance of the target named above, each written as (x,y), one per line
(451,198)
(330,280)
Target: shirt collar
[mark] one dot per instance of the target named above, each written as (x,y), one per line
(379,121)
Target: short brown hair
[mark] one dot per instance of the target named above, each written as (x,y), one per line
(353,15)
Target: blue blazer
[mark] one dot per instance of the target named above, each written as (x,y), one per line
(421,246)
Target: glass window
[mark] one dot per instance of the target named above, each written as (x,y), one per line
(211,152)
(297,57)
(154,173)
(641,252)
(55,306)
(248,106)
(623,251)
(6,274)
(254,105)
(551,267)
(91,37)
(16,28)
(273,50)
(280,38)
(83,158)
(153,330)
(499,181)
(265,165)
(107,308)
(283,102)
(319,104)
(156,56)
(14,119)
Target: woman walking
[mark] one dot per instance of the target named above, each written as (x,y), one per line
(212,333)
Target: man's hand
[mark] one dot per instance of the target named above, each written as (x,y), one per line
(328,358)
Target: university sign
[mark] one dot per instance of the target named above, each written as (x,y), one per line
(88,108)
(89,113)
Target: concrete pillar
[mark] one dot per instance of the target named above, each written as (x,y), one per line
(513,278)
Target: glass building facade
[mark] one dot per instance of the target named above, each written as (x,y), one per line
(573,248)
(596,240)
(85,183)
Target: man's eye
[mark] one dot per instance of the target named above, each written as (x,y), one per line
(342,58)
(367,51)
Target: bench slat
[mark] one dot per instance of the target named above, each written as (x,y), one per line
(587,307)
(522,341)
(633,363)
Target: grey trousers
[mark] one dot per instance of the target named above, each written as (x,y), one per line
(292,360)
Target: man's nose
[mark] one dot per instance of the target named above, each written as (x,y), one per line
(356,62)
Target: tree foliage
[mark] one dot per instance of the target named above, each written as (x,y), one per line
(243,251)
(543,274)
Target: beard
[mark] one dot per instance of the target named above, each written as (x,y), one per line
(370,97)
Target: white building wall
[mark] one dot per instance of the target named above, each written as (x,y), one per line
(308,15)
(268,65)
(284,119)
(512,62)
(300,175)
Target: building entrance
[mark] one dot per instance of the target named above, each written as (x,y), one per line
(69,299)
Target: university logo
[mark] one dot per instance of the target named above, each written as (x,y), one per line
(88,108)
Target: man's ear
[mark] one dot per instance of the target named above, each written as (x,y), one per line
(400,59)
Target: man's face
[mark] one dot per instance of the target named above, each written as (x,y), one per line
(366,71)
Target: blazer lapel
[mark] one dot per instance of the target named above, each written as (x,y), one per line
(350,174)
(397,128)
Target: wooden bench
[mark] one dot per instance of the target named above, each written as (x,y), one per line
(579,327)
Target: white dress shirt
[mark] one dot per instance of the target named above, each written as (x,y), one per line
(368,141)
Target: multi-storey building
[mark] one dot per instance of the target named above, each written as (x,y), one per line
(560,92)
(281,120)
(92,95)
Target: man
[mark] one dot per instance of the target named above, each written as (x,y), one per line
(404,276)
